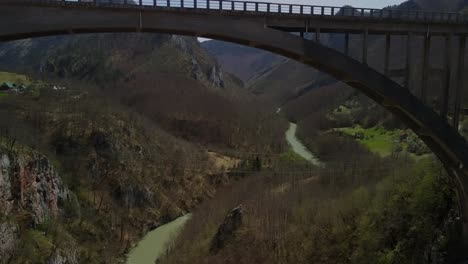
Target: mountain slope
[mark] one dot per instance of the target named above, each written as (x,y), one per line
(127,132)
(158,76)
(83,177)
(244,62)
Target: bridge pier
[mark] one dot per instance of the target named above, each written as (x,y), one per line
(460,81)
(346,47)
(365,35)
(448,74)
(388,43)
(426,68)
(408,61)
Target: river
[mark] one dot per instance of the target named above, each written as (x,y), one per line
(155,243)
(298,147)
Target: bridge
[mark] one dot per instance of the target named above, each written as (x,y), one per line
(269,26)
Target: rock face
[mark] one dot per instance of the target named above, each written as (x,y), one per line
(68,257)
(6,198)
(183,44)
(227,229)
(8,236)
(38,184)
(197,72)
(29,185)
(216,77)
(254,61)
(190,48)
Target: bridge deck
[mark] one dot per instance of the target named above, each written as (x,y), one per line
(289,17)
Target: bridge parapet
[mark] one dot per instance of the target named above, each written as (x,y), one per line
(266,8)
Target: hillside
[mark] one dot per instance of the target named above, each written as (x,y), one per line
(127,132)
(159,76)
(448,6)
(271,77)
(106,176)
(244,62)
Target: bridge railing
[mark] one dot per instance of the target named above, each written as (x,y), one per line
(290,9)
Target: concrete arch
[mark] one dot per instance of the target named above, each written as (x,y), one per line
(24,21)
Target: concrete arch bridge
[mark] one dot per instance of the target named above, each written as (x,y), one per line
(268,26)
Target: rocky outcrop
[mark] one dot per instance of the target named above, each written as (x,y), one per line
(30,191)
(189,47)
(227,229)
(6,198)
(38,184)
(69,256)
(182,43)
(197,72)
(216,77)
(8,240)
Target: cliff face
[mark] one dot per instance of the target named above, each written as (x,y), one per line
(30,183)
(30,193)
(8,240)
(244,62)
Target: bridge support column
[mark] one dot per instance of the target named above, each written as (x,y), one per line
(317,35)
(408,60)
(448,74)
(461,77)
(364,45)
(388,43)
(426,63)
(346,47)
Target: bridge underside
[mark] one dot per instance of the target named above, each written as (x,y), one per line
(444,141)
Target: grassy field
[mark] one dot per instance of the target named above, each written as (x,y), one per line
(291,156)
(13,77)
(377,139)
(381,141)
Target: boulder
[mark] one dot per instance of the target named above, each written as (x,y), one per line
(227,229)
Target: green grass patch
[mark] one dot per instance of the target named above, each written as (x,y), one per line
(342,110)
(376,139)
(15,78)
(291,156)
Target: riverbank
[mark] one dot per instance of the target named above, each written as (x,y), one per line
(156,242)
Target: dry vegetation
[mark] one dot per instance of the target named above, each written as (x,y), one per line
(371,214)
(127,174)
